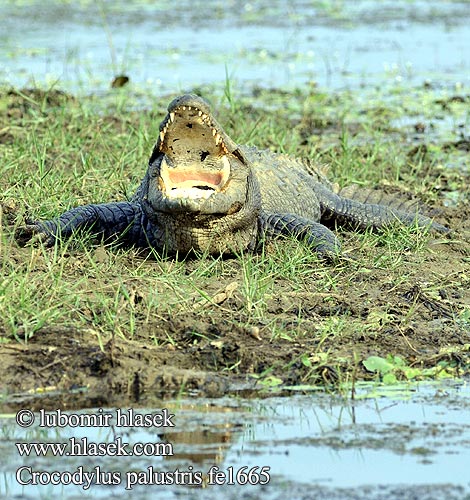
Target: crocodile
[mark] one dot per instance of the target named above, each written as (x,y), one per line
(203,192)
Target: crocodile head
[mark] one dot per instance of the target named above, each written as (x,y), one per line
(200,189)
(195,166)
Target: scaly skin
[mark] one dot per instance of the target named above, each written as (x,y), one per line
(204,192)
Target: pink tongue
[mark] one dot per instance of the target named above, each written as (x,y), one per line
(207,178)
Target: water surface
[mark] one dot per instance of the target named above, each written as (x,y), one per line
(172,46)
(329,445)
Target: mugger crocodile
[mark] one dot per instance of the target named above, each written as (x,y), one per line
(203,192)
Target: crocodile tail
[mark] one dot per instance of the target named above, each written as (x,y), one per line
(397,201)
(374,214)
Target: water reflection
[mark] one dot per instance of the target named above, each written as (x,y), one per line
(322,440)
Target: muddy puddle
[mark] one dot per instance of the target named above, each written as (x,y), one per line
(390,442)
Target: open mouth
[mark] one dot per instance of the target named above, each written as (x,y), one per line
(195,162)
(193,181)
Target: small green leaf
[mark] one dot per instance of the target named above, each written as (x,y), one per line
(377,364)
(306,360)
(271,381)
(396,361)
(389,379)
(412,373)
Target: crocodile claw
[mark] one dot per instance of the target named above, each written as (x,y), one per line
(33,234)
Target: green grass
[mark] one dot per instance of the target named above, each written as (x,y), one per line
(66,153)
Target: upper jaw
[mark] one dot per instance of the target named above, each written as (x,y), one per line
(195,151)
(193,116)
(196,110)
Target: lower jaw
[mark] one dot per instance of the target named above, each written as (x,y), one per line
(192,193)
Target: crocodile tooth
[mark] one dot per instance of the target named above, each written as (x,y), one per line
(162,135)
(214,132)
(172,117)
(217,139)
(189,108)
(184,108)
(199,113)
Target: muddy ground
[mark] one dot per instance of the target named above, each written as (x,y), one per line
(423,331)
(415,310)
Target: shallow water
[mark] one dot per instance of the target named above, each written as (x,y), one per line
(173,46)
(402,440)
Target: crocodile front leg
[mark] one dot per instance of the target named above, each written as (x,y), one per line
(322,240)
(121,221)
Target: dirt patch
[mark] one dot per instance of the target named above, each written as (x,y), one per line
(218,349)
(26,99)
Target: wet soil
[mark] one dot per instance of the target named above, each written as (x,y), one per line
(68,366)
(413,311)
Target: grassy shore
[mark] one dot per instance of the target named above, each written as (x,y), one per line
(85,315)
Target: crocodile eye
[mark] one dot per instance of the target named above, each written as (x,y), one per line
(204,155)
